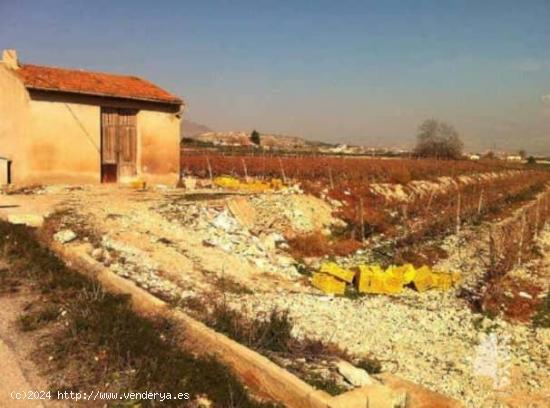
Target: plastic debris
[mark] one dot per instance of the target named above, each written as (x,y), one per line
(372,279)
(138,184)
(375,280)
(233,183)
(333,269)
(328,283)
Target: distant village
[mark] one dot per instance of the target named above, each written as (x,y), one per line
(241,141)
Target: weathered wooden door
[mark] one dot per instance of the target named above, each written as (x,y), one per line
(118,144)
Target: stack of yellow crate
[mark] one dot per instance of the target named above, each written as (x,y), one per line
(332,279)
(254,186)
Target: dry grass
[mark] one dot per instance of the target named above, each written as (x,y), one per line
(316,244)
(99,342)
(502,296)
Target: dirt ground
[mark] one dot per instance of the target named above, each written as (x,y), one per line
(179,245)
(17,371)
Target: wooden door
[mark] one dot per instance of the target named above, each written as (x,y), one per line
(127,143)
(118,144)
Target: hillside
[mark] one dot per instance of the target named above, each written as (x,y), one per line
(203,134)
(192,129)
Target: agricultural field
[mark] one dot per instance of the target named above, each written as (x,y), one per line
(340,270)
(485,220)
(399,198)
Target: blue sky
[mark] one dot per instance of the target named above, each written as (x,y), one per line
(349,71)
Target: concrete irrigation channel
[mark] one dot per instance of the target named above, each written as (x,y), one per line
(262,376)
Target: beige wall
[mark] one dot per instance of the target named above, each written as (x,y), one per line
(158,144)
(64,145)
(14,120)
(54,138)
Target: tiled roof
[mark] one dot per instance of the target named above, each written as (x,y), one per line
(93,83)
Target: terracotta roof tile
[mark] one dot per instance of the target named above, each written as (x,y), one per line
(93,83)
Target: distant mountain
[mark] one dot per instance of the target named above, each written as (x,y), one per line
(266,140)
(203,134)
(192,129)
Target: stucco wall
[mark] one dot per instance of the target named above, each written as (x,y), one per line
(64,145)
(14,121)
(158,147)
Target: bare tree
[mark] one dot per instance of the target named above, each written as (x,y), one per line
(438,139)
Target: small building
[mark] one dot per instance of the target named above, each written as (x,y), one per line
(514,158)
(71,126)
(474,157)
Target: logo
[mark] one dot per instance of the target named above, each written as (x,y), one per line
(492,359)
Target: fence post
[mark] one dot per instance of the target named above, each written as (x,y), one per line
(480,203)
(522,232)
(362,219)
(282,170)
(458,213)
(492,250)
(432,193)
(209,168)
(537,209)
(245,169)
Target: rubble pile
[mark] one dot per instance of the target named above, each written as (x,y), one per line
(220,228)
(332,278)
(293,214)
(225,232)
(136,265)
(429,338)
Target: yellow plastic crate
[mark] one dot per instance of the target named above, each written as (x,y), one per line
(328,284)
(445,280)
(364,277)
(423,279)
(254,186)
(405,272)
(333,269)
(138,184)
(392,284)
(456,277)
(372,279)
(442,281)
(277,184)
(227,182)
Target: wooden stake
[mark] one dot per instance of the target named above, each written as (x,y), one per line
(282,170)
(522,231)
(537,209)
(493,251)
(406,218)
(209,168)
(362,219)
(330,178)
(245,169)
(480,203)
(432,193)
(458,214)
